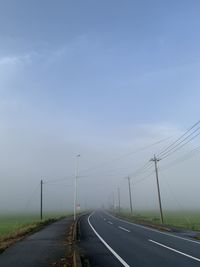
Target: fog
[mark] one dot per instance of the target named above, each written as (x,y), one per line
(103,166)
(86,79)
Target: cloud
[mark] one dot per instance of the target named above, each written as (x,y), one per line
(16,60)
(10,69)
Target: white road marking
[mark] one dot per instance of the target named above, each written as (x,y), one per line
(108,247)
(104,219)
(110,222)
(177,251)
(124,229)
(153,230)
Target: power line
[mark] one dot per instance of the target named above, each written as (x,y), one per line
(172,148)
(57,180)
(172,152)
(59,185)
(165,150)
(31,196)
(186,156)
(144,178)
(177,202)
(142,169)
(126,155)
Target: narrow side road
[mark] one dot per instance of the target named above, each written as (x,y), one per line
(40,249)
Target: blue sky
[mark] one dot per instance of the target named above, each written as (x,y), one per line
(95,77)
(134,61)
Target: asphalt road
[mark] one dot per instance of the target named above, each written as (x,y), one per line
(111,242)
(39,249)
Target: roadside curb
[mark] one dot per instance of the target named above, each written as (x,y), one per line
(76,259)
(76,254)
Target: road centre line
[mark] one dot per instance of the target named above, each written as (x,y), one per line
(124,229)
(172,249)
(108,247)
(153,230)
(110,222)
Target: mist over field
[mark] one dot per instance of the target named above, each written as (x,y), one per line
(94,83)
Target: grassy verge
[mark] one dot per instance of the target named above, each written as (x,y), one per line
(10,223)
(197,237)
(187,220)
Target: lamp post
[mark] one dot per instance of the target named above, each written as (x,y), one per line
(41,199)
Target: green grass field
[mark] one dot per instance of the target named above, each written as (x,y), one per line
(9,223)
(187,219)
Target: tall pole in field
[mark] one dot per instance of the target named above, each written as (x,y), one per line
(41,200)
(119,204)
(130,195)
(155,160)
(75,185)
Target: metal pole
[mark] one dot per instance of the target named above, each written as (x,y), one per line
(75,186)
(41,200)
(119,204)
(130,196)
(155,160)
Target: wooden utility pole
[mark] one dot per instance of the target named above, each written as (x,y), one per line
(130,195)
(119,204)
(155,160)
(113,199)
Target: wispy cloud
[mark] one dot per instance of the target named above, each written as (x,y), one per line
(16,60)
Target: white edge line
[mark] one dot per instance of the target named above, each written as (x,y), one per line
(154,230)
(177,251)
(108,247)
(124,229)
